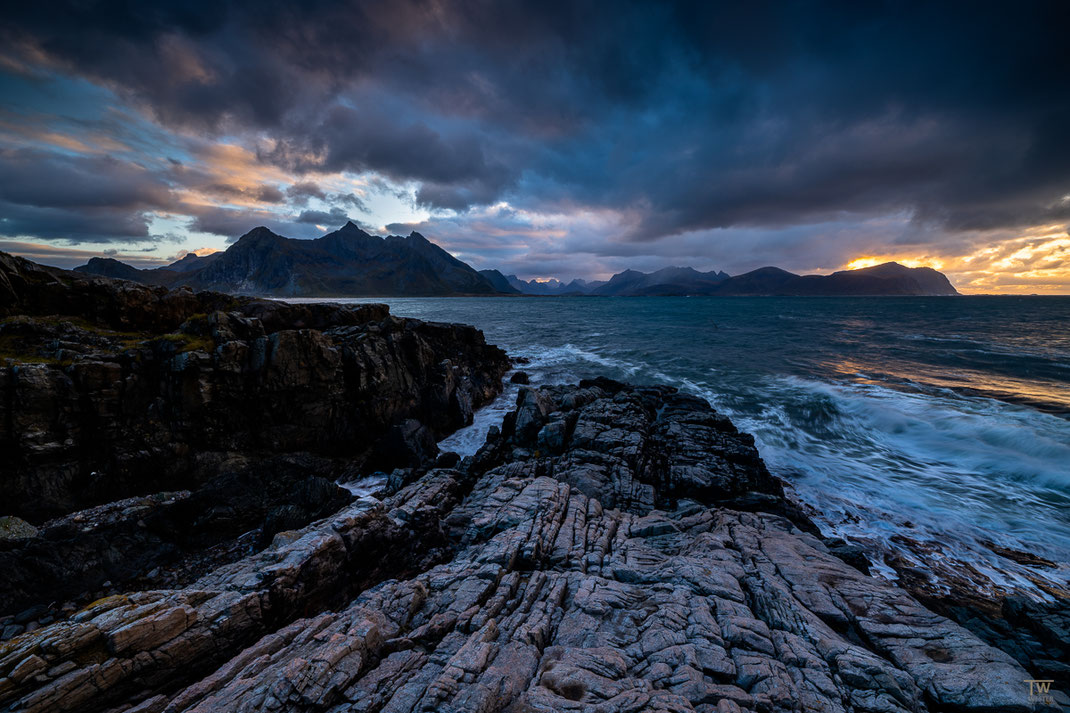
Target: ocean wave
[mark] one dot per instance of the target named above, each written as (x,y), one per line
(877,461)
(937,443)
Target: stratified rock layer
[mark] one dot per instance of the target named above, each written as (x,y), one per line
(610,549)
(248,409)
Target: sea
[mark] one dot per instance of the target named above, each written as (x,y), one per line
(945,419)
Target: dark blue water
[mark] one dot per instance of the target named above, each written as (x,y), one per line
(944,418)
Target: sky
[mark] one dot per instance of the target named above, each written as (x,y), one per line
(548,139)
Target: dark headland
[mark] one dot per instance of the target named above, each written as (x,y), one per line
(351,263)
(175,538)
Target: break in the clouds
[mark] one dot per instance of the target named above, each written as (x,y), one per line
(566,139)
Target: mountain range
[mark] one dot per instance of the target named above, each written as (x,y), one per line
(347,262)
(350,262)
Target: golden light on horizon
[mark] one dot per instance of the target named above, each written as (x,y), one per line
(863,262)
(1034,262)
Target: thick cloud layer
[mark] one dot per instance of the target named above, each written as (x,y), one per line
(655,130)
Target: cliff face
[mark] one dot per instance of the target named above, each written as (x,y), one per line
(237,413)
(610,548)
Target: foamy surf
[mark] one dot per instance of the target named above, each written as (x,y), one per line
(933,447)
(933,480)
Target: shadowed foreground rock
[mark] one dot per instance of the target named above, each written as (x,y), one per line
(609,549)
(140,424)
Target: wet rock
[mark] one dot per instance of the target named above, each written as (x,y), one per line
(520,377)
(854,555)
(30,614)
(447,460)
(409,443)
(613,574)
(1032,625)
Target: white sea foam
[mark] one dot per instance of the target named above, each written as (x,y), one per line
(885,428)
(949,471)
(366,488)
(466,441)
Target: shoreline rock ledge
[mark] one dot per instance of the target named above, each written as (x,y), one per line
(610,548)
(148,435)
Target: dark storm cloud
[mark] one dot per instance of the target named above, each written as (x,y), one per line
(332,218)
(47,179)
(455,166)
(350,199)
(683,116)
(300,193)
(86,225)
(232,223)
(260,194)
(92,198)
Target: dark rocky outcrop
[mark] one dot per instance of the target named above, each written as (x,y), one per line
(111,390)
(609,549)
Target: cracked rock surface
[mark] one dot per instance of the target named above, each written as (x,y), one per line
(610,548)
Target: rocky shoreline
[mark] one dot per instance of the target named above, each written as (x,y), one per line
(142,428)
(609,548)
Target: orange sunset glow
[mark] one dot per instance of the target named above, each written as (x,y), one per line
(1036,262)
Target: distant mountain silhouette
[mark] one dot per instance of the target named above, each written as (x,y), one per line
(348,261)
(110,267)
(552,286)
(888,279)
(191,262)
(499,281)
(667,281)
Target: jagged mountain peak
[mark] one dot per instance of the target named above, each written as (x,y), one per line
(258,233)
(346,262)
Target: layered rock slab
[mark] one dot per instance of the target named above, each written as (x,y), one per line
(509,583)
(113,392)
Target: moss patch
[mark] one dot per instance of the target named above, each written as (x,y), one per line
(16,349)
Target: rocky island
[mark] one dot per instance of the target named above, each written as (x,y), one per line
(177,538)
